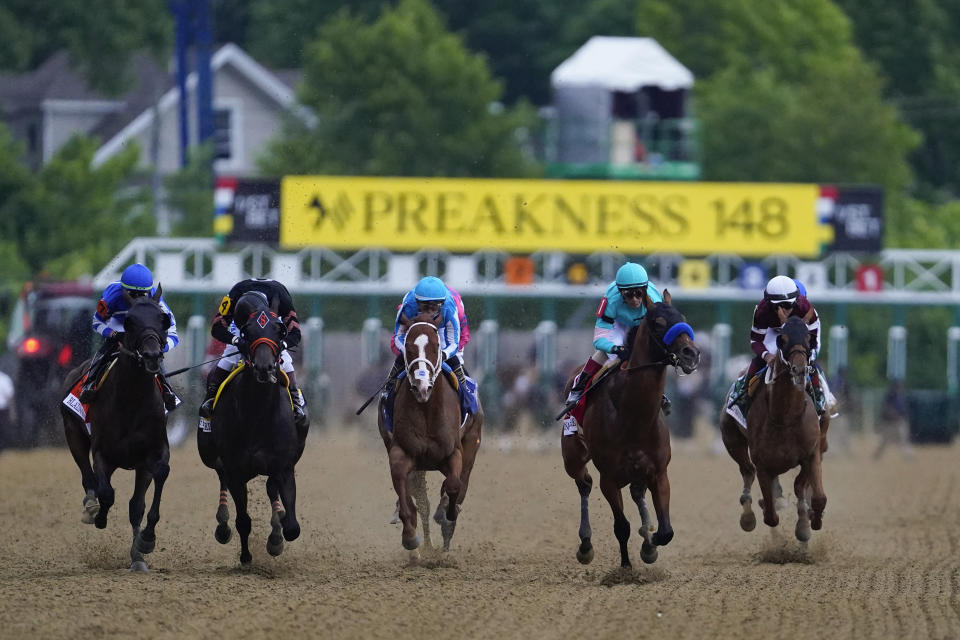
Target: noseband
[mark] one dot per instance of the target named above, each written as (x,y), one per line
(135,353)
(797,373)
(434,366)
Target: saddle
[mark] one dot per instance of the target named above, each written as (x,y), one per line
(580,408)
(284,379)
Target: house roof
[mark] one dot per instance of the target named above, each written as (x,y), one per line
(622,64)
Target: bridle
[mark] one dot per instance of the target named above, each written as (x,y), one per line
(434,367)
(798,374)
(667,357)
(273,345)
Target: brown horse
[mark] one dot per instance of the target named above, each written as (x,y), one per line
(427,436)
(782,432)
(624,432)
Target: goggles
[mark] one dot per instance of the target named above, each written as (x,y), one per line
(633,292)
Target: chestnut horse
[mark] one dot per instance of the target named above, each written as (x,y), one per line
(783,431)
(426,434)
(624,432)
(128,426)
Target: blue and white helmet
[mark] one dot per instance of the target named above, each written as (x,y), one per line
(430,289)
(631,275)
(136,277)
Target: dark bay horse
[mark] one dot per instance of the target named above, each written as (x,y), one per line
(427,436)
(782,432)
(254,431)
(624,432)
(128,426)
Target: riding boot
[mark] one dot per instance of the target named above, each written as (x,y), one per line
(214,380)
(666,405)
(580,383)
(299,404)
(100,360)
(170,398)
(391,384)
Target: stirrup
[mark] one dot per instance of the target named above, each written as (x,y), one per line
(206,409)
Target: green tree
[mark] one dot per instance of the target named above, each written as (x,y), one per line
(401,96)
(782,92)
(100,38)
(71,218)
(189,194)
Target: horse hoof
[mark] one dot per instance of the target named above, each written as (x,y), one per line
(648,553)
(772,521)
(138,566)
(803,531)
(100,523)
(223,514)
(585,552)
(411,543)
(144,544)
(662,538)
(91,507)
(748,521)
(816,522)
(274,545)
(223,533)
(245,557)
(291,533)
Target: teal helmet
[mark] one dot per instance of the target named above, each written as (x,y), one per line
(136,277)
(631,275)
(430,289)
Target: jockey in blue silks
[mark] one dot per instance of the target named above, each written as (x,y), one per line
(136,281)
(430,295)
(620,310)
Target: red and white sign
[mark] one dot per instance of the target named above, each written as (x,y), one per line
(869,278)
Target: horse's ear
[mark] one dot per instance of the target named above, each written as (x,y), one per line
(667,297)
(158,293)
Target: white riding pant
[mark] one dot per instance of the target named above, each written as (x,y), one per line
(227,363)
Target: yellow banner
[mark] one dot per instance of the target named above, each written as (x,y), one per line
(695,218)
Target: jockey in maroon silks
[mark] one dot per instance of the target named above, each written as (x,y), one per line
(782,299)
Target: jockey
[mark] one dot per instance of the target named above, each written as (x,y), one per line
(240,302)
(464,327)
(136,281)
(620,310)
(429,296)
(782,298)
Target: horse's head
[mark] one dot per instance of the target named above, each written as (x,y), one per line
(670,335)
(145,330)
(263,331)
(422,355)
(793,349)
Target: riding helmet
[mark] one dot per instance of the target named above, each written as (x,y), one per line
(430,289)
(781,289)
(631,275)
(250,302)
(137,277)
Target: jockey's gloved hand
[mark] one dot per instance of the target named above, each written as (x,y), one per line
(241,344)
(619,350)
(283,345)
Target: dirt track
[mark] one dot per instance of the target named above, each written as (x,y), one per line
(885,565)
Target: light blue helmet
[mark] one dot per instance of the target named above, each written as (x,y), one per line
(430,289)
(631,275)
(137,277)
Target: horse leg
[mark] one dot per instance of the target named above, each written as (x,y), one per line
(451,488)
(471,445)
(737,447)
(105,494)
(621,526)
(779,501)
(136,508)
(648,551)
(418,487)
(287,486)
(770,517)
(79,443)
(147,539)
(223,532)
(661,503)
(818,500)
(238,490)
(824,427)
(800,485)
(400,467)
(275,539)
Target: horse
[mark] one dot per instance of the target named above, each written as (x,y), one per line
(427,436)
(128,425)
(783,432)
(624,433)
(254,434)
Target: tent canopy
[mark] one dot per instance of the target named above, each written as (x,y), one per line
(622,64)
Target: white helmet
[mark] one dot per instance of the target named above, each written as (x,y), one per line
(781,289)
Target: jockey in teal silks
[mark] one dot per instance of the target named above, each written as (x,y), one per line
(620,310)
